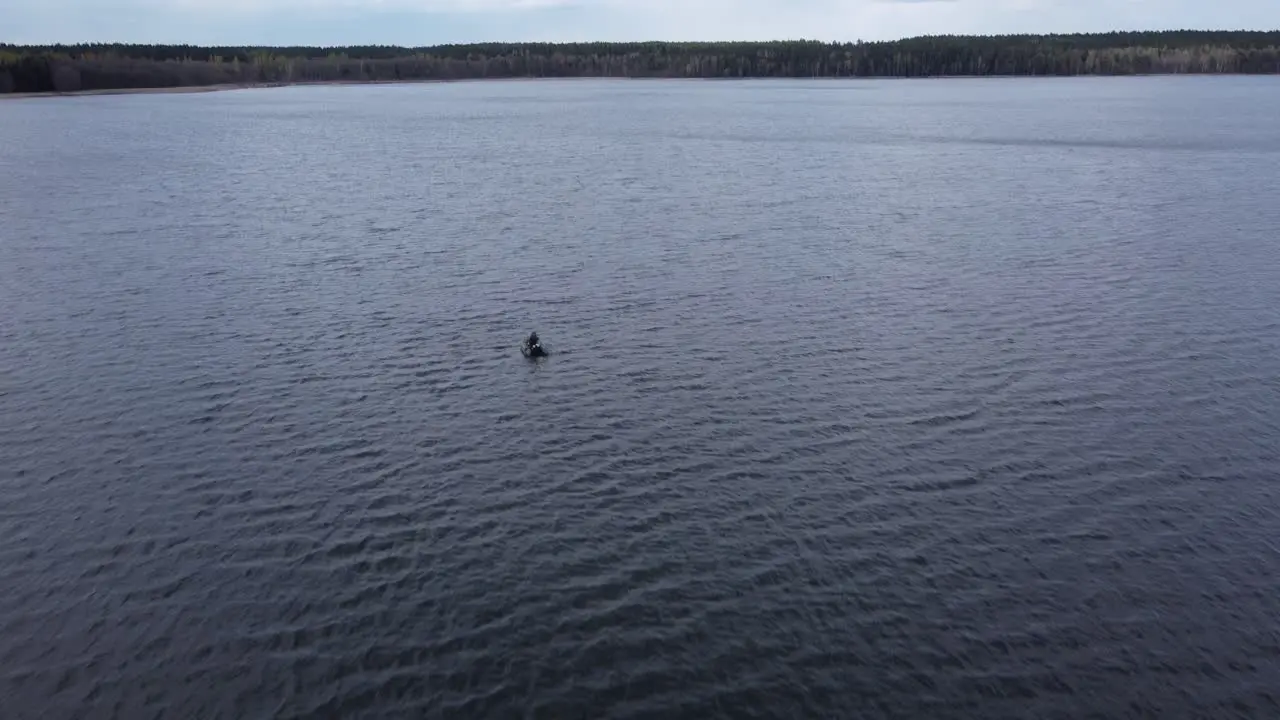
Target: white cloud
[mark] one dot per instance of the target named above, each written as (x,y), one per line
(371,6)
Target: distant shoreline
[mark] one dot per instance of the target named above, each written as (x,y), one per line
(41,71)
(135,91)
(223,87)
(220,87)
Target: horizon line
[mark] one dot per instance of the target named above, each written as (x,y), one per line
(653,41)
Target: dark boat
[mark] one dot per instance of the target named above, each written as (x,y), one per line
(532,347)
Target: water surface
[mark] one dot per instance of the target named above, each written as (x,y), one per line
(946,399)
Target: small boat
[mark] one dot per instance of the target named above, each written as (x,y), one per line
(532,347)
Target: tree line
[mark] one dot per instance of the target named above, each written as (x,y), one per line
(64,68)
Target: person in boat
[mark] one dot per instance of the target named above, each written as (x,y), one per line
(533,346)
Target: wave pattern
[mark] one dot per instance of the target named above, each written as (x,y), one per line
(863,427)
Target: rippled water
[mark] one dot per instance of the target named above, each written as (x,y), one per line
(945,399)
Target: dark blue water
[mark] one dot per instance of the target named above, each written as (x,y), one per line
(944,399)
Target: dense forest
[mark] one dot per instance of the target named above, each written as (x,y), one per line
(65,68)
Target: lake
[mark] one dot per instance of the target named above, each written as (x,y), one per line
(881,399)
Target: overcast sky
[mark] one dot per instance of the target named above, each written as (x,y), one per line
(425,22)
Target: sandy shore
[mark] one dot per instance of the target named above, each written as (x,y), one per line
(240,86)
(140,91)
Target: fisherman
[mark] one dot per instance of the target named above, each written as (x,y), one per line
(532,342)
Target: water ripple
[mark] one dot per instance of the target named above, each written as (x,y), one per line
(901,411)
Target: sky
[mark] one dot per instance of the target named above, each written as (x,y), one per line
(428,22)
